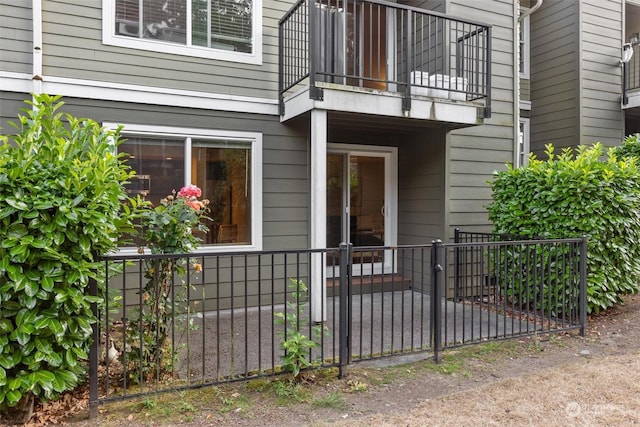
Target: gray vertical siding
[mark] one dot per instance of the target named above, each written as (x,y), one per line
(76,51)
(555,75)
(474,153)
(16,43)
(602,36)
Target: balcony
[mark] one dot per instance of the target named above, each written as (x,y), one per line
(631,79)
(386,59)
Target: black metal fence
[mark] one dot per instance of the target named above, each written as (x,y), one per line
(380,45)
(505,285)
(177,321)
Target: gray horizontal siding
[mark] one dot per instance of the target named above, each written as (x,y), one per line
(285,173)
(78,52)
(602,117)
(421,187)
(16,42)
(576,96)
(554,75)
(10,104)
(475,153)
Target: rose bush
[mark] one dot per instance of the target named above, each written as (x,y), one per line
(167,228)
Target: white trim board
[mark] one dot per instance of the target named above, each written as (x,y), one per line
(90,89)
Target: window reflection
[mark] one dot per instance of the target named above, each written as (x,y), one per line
(222,169)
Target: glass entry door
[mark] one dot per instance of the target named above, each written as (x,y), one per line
(357,197)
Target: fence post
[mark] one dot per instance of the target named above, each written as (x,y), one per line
(436,304)
(583,286)
(345,324)
(456,265)
(94,351)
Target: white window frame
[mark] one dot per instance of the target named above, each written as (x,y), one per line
(109,37)
(524,144)
(255,140)
(524,37)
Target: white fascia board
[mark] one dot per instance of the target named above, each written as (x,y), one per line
(107,91)
(15,82)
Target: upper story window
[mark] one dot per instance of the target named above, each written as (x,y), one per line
(217,29)
(523,39)
(225,165)
(524,145)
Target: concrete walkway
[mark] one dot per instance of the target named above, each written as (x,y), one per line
(243,341)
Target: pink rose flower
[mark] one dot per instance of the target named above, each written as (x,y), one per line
(190,191)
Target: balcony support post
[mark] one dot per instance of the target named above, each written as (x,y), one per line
(318,152)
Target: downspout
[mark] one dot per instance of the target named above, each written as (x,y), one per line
(516,84)
(531,10)
(517,21)
(36,10)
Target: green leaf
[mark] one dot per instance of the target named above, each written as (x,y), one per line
(7,211)
(71,358)
(12,397)
(43,377)
(17,204)
(7,361)
(14,383)
(47,283)
(31,288)
(5,326)
(56,327)
(84,325)
(68,377)
(25,316)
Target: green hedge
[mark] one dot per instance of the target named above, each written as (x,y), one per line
(591,193)
(61,194)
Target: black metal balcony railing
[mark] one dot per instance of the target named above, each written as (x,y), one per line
(386,46)
(631,74)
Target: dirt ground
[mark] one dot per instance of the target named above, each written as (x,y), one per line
(545,380)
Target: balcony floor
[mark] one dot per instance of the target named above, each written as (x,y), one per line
(351,99)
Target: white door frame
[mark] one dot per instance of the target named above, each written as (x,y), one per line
(390,154)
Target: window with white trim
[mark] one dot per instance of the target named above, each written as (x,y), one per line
(523,143)
(225,165)
(523,39)
(216,29)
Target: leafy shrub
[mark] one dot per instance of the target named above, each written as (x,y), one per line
(538,276)
(61,189)
(569,196)
(295,343)
(630,147)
